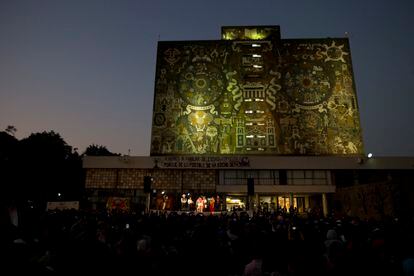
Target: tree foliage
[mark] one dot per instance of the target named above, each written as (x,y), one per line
(8,146)
(98,150)
(39,167)
(45,145)
(11,130)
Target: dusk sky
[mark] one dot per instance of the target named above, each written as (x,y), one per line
(86,69)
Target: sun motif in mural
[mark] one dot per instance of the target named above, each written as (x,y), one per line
(307,86)
(334,52)
(201,83)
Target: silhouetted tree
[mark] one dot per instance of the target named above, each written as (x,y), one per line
(46,146)
(8,146)
(8,165)
(48,166)
(98,150)
(11,130)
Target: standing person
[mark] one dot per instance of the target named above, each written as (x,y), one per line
(200,204)
(218,203)
(204,202)
(183,202)
(190,203)
(164,203)
(211,205)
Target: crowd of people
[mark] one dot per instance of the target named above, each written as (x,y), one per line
(191,243)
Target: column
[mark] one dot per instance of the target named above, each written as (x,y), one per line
(307,203)
(324,205)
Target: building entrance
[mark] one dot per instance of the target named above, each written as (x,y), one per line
(285,202)
(235,203)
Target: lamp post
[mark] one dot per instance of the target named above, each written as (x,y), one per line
(148,180)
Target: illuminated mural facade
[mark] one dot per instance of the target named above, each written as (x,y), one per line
(284,97)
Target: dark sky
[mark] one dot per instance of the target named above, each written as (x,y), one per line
(86,69)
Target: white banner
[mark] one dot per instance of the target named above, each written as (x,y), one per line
(202,162)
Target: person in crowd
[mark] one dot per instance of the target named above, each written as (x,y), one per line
(160,243)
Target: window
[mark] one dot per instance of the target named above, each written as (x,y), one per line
(307,177)
(239,177)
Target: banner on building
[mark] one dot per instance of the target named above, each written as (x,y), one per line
(117,203)
(202,162)
(62,205)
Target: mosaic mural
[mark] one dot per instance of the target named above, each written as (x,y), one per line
(282,97)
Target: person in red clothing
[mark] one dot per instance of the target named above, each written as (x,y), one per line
(211,204)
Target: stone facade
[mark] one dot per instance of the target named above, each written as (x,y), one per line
(203,181)
(100,178)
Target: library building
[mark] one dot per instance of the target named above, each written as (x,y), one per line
(254,122)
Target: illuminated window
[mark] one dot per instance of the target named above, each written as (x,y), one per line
(247,100)
(255,45)
(259,111)
(248,111)
(256,56)
(261,136)
(259,100)
(249,124)
(261,149)
(249,136)
(257,66)
(260,124)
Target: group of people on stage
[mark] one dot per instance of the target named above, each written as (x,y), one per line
(202,204)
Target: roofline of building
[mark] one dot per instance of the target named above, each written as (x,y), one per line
(253,41)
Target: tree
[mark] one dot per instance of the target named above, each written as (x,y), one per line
(8,165)
(48,166)
(98,150)
(8,146)
(46,145)
(11,130)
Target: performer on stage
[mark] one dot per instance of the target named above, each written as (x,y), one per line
(183,202)
(211,203)
(200,204)
(190,204)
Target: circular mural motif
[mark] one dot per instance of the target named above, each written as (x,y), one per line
(159,119)
(307,86)
(334,52)
(201,83)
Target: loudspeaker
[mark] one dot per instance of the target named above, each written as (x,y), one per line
(147,184)
(250,186)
